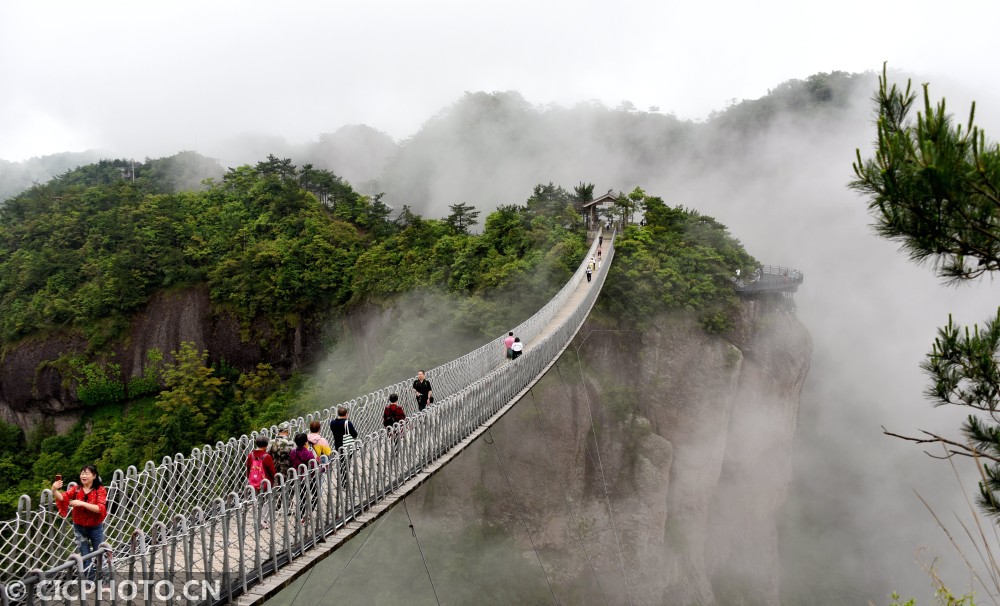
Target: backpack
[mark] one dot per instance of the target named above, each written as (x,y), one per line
(392,415)
(319,448)
(257,474)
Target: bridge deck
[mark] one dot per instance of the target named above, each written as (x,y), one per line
(272,585)
(193,517)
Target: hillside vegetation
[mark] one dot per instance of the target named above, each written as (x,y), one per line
(293,246)
(84,252)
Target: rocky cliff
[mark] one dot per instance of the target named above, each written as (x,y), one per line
(649,464)
(35,381)
(680,490)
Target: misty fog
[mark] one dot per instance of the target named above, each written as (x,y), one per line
(854,525)
(852,517)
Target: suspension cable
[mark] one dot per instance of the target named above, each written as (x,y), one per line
(428,570)
(569,507)
(375,529)
(604,481)
(520,514)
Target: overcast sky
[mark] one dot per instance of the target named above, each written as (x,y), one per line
(155,78)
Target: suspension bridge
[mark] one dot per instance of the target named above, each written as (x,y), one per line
(194,518)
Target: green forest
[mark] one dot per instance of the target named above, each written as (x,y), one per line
(82,253)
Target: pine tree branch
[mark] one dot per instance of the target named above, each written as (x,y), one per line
(965,451)
(989,235)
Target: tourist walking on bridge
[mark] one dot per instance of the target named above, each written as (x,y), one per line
(317,442)
(507,343)
(260,464)
(301,455)
(393,413)
(425,394)
(344,433)
(89,502)
(260,467)
(280,448)
(280,451)
(517,348)
(590,271)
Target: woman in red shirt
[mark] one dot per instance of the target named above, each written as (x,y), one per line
(89,502)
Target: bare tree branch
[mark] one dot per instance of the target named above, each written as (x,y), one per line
(964,450)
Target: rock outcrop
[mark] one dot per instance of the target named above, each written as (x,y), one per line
(692,458)
(35,381)
(646,467)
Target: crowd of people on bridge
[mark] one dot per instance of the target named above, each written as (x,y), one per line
(513,346)
(270,457)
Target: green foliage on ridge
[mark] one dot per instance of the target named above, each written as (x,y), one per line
(288,244)
(679,260)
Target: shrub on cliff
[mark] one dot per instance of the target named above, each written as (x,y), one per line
(266,247)
(679,259)
(92,245)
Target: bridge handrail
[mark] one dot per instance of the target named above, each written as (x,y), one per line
(38,538)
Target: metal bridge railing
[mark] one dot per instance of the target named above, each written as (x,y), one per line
(770,278)
(194,517)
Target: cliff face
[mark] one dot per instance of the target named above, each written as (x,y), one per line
(691,457)
(34,382)
(652,465)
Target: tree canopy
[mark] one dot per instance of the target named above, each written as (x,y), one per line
(680,259)
(281,243)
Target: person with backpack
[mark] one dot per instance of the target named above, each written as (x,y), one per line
(393,413)
(280,448)
(425,394)
(260,465)
(89,501)
(317,442)
(301,455)
(344,434)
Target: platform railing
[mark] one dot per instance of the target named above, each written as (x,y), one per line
(769,278)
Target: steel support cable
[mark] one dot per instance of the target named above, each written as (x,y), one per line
(520,514)
(569,506)
(375,529)
(413,531)
(569,398)
(604,480)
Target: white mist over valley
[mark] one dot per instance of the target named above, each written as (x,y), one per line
(440,103)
